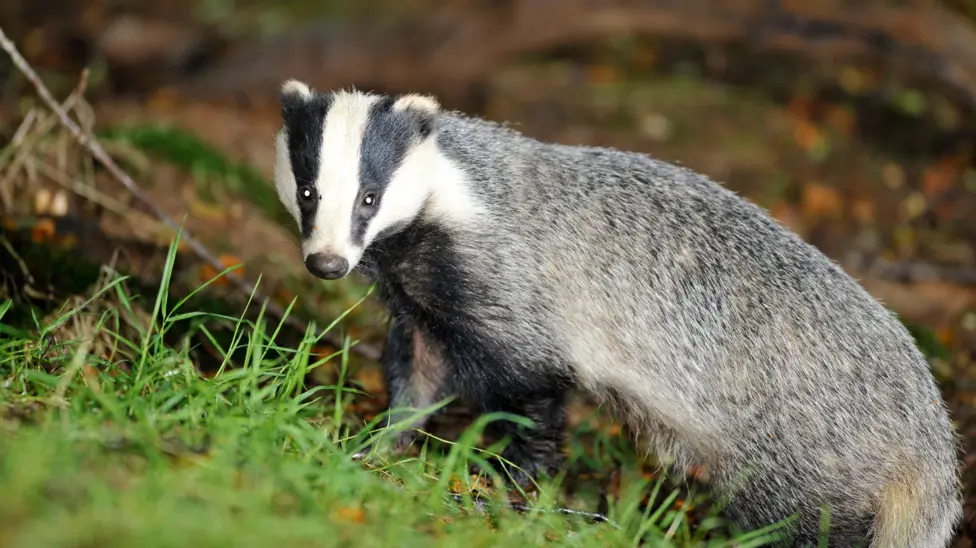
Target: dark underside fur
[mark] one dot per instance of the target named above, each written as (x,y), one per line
(419,280)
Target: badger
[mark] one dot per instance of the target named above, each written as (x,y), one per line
(517,270)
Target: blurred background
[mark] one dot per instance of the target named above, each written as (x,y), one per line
(852,121)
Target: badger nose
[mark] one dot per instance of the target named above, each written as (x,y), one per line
(327,267)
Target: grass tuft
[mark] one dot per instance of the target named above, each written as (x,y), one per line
(113,437)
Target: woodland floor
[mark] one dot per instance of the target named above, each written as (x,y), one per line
(222,452)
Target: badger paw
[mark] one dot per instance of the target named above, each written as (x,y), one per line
(523,473)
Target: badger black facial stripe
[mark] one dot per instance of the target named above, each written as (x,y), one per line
(386,141)
(303,121)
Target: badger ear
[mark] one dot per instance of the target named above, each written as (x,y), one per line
(294,93)
(423,109)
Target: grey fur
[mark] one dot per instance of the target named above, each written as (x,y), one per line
(728,341)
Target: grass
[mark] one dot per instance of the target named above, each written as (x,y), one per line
(112,437)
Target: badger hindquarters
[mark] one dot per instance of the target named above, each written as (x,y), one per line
(516,270)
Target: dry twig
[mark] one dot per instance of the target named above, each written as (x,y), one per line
(593,517)
(88,141)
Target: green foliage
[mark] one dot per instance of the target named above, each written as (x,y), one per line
(926,340)
(112,437)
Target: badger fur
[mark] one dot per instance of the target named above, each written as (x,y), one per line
(516,270)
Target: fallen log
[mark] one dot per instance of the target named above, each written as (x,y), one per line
(451,50)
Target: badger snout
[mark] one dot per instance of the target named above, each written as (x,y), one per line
(327,266)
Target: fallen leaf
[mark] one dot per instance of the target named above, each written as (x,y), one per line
(808,136)
(937,178)
(162,99)
(945,335)
(893,176)
(90,375)
(601,74)
(371,379)
(841,119)
(681,504)
(821,200)
(480,482)
(353,514)
(285,295)
(208,272)
(644,58)
(800,108)
(43,230)
(864,211)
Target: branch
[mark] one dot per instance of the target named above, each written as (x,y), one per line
(522,509)
(89,142)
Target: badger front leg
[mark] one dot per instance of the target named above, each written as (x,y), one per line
(416,378)
(534,451)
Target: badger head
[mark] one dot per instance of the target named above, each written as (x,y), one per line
(351,167)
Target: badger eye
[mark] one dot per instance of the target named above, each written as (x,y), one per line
(306,194)
(369,199)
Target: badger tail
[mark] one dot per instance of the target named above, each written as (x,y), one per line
(919,508)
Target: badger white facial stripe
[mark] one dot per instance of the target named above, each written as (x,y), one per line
(304,119)
(337,179)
